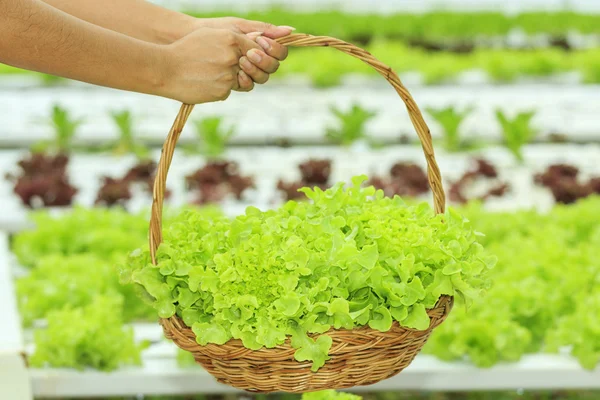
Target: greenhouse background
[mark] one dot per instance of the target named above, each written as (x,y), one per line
(511,92)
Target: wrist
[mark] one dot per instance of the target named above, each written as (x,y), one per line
(158,70)
(174,27)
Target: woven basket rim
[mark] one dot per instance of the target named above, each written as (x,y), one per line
(445,302)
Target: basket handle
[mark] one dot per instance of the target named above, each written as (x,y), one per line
(301,40)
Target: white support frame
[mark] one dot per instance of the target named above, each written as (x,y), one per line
(162,376)
(160,373)
(14,376)
(305,115)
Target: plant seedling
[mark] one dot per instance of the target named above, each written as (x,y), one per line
(213,136)
(517,131)
(64,126)
(450,119)
(126,142)
(351,125)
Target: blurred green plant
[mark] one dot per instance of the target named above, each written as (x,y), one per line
(213,137)
(92,336)
(450,119)
(64,127)
(51,80)
(501,65)
(434,25)
(126,143)
(517,131)
(351,125)
(185,359)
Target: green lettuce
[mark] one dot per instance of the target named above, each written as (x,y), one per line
(92,336)
(350,257)
(544,293)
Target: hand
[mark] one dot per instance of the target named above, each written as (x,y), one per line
(257,65)
(204,66)
(240,25)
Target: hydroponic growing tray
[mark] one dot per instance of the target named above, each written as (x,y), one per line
(160,373)
(305,114)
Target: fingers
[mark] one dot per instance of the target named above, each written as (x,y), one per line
(260,57)
(245,83)
(263,61)
(254,72)
(246,44)
(272,48)
(267,29)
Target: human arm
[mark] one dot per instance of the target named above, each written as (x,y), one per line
(152,23)
(136,18)
(149,22)
(198,68)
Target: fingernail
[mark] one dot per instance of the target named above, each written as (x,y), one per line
(254,35)
(244,63)
(263,43)
(254,56)
(291,28)
(243,75)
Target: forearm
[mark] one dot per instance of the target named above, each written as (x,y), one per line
(136,18)
(38,37)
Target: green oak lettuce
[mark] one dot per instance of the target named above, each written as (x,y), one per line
(544,293)
(76,280)
(91,336)
(107,233)
(350,257)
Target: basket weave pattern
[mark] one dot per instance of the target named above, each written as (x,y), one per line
(360,356)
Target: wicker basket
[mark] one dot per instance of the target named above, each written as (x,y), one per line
(361,356)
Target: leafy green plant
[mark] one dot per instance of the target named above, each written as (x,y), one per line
(351,125)
(544,293)
(64,126)
(76,280)
(213,137)
(335,262)
(437,24)
(517,131)
(108,234)
(126,142)
(330,395)
(580,329)
(92,336)
(51,80)
(450,119)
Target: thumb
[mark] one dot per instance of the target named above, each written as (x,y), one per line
(268,30)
